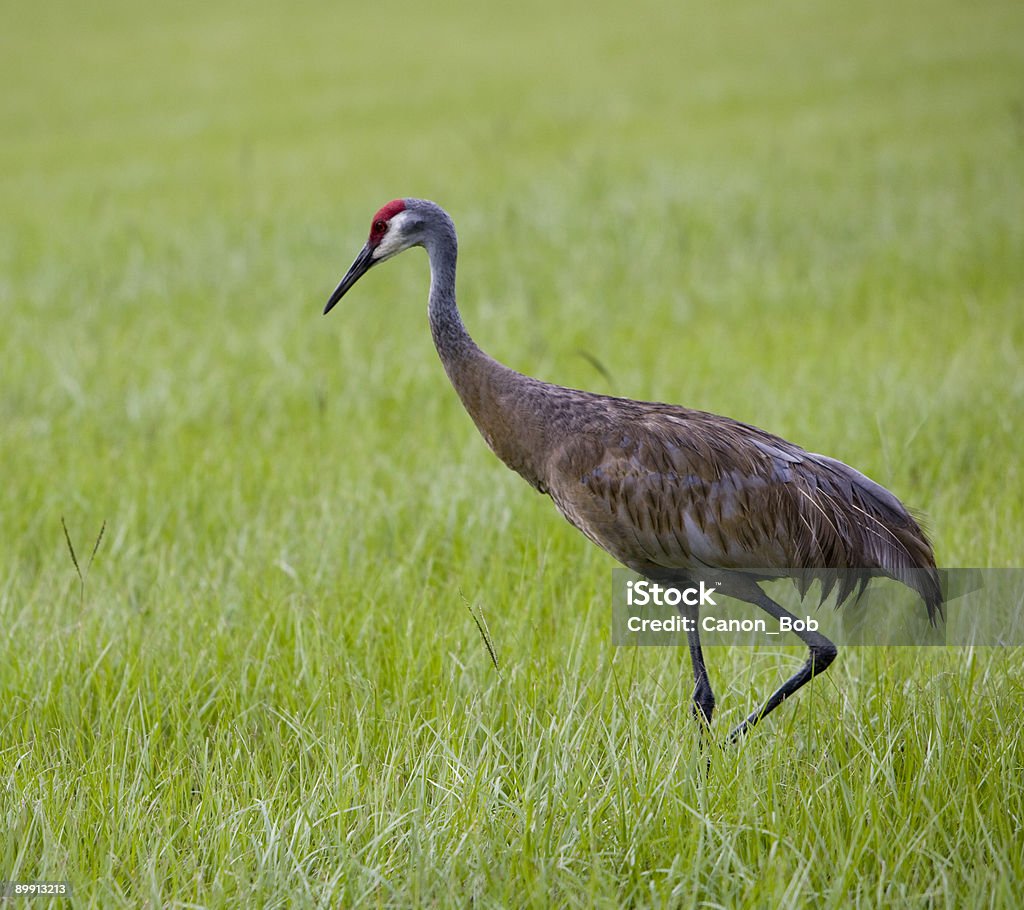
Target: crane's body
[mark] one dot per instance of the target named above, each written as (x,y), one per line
(666,490)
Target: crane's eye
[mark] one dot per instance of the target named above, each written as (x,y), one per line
(380,226)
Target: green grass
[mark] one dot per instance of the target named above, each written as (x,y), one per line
(271,690)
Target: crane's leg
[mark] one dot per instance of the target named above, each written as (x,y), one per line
(703,697)
(822,653)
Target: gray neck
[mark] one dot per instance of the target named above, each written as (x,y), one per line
(491,392)
(451,339)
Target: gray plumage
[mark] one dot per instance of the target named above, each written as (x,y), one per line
(664,489)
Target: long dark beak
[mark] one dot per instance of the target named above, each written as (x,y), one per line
(356,271)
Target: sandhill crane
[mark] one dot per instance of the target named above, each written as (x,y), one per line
(667,491)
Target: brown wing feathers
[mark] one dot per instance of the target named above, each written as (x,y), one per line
(659,486)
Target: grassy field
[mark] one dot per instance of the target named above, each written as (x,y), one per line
(270,690)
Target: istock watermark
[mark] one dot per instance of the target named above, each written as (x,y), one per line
(982,607)
(643,592)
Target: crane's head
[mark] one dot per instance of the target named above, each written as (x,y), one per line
(400,224)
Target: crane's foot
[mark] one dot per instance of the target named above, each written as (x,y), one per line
(822,653)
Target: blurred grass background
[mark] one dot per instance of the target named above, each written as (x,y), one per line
(806,216)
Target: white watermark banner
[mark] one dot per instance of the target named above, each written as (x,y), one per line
(981,607)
